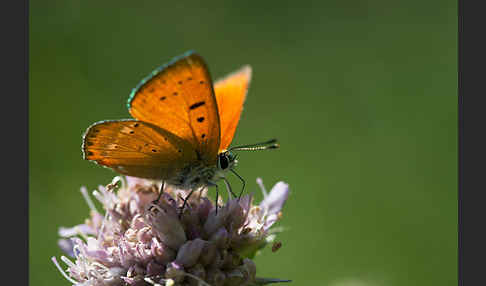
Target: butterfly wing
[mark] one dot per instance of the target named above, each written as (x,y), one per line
(179,98)
(137,148)
(230,94)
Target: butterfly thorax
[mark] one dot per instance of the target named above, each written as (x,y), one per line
(199,174)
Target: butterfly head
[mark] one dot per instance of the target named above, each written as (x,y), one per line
(226,160)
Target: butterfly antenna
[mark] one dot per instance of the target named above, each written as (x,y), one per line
(270,144)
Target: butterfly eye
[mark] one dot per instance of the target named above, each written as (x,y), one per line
(223,161)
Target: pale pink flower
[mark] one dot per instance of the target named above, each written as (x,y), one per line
(137,242)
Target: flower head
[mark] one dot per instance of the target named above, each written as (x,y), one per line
(138,241)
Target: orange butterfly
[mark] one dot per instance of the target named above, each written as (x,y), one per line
(182,127)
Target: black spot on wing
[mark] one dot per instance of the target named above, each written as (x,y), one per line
(200,119)
(196,105)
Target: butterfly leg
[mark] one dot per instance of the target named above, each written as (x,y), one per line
(156,201)
(160,193)
(185,201)
(228,186)
(242,180)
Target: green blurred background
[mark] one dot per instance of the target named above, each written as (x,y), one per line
(361,95)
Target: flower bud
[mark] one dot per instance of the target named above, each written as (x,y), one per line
(198,271)
(189,252)
(167,227)
(153,268)
(231,260)
(248,269)
(215,277)
(234,278)
(215,221)
(192,225)
(175,272)
(204,208)
(220,238)
(161,253)
(208,253)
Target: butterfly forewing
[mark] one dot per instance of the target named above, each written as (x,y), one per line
(179,98)
(137,148)
(230,94)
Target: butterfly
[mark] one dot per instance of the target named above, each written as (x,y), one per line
(182,127)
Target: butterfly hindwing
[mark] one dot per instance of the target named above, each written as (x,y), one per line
(179,98)
(137,148)
(230,94)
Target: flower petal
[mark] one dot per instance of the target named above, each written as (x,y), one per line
(67,246)
(76,230)
(274,202)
